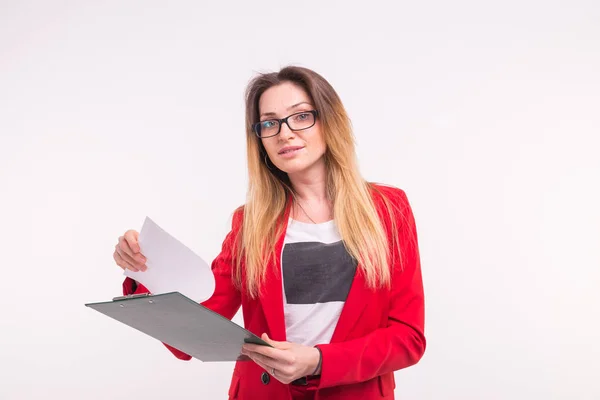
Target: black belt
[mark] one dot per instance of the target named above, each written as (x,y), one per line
(300,382)
(304,380)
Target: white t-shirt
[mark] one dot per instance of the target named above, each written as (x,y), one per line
(317,274)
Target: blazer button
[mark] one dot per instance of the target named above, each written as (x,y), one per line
(265,378)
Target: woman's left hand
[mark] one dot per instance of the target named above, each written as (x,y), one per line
(285,361)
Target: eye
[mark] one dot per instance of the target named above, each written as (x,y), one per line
(302,117)
(267,124)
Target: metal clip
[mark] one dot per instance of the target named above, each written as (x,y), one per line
(130,296)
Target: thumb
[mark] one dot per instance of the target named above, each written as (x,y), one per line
(267,339)
(272,342)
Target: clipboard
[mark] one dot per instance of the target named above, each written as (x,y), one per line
(182,323)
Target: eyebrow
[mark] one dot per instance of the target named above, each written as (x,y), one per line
(272,114)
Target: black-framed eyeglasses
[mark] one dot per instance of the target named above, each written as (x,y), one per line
(296,122)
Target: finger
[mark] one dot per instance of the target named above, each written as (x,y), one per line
(274,343)
(121,262)
(270,362)
(132,237)
(117,259)
(265,362)
(271,352)
(125,251)
(280,358)
(280,375)
(124,247)
(126,257)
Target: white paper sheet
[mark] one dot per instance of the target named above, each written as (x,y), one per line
(172,266)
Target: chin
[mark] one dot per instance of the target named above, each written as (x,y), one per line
(300,165)
(291,170)
(294,168)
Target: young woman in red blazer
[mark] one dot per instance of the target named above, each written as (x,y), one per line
(324,264)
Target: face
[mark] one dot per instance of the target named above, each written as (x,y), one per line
(294,152)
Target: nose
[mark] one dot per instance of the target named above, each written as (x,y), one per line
(285,132)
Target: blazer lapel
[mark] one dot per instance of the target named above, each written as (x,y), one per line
(357,300)
(271,296)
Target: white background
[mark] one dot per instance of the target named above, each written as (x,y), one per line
(485,113)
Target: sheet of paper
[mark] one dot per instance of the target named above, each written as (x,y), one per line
(172,266)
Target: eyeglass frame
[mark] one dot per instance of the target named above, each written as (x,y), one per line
(281,121)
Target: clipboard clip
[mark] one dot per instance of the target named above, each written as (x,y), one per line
(131,296)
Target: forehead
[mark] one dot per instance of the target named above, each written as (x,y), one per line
(277,99)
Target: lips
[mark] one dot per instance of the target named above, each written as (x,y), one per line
(289,149)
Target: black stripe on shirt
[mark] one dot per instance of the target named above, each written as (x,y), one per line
(317,272)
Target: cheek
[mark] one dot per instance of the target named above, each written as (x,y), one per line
(269,147)
(320,141)
(272,151)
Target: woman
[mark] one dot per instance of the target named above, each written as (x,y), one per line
(325,265)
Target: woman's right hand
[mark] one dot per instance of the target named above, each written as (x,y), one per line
(127,252)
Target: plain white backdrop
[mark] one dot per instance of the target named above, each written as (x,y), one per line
(485,113)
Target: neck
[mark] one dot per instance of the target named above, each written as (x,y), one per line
(310,186)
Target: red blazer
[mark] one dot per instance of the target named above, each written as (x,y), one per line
(379,331)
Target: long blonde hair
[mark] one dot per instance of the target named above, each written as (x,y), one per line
(269,189)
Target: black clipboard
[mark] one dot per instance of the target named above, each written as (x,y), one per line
(182,323)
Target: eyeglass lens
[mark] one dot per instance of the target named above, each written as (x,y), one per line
(298,121)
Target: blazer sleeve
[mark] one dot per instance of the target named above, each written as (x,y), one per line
(401,343)
(226,299)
